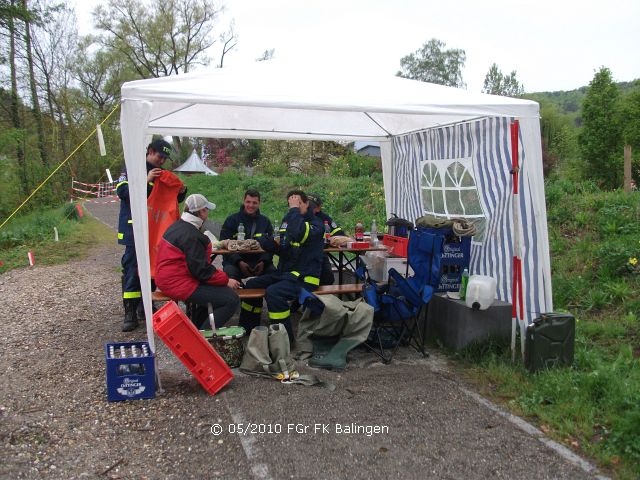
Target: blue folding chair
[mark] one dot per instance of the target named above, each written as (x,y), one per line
(401,305)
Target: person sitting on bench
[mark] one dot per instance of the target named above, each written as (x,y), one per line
(243,265)
(184,270)
(300,248)
(315,204)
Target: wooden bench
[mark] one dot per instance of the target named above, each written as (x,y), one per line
(158,296)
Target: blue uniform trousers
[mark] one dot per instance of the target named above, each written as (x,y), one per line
(281,290)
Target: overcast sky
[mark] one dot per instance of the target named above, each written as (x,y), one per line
(552,44)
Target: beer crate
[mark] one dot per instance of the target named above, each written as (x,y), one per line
(455,257)
(130,371)
(185,341)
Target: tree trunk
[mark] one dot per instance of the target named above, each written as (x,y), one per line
(37,114)
(15,110)
(627,168)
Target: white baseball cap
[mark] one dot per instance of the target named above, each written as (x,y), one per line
(197,202)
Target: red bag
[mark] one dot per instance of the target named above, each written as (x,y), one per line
(162,206)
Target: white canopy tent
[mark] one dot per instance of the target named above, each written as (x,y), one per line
(415,122)
(194,164)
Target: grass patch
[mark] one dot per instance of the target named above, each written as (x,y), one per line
(35,233)
(593,407)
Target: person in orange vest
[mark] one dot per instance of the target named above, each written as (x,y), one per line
(158,152)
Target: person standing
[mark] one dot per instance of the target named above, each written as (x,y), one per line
(315,204)
(300,259)
(184,270)
(256,225)
(157,153)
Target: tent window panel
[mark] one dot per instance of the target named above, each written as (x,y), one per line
(454,206)
(438,202)
(471,201)
(467,180)
(427,199)
(448,189)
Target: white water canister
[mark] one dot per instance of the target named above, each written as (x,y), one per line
(481,292)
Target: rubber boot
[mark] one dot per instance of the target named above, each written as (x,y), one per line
(130,320)
(140,312)
(336,359)
(256,354)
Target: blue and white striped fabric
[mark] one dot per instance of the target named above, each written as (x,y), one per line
(487,142)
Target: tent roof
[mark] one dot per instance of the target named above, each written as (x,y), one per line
(269,100)
(194,164)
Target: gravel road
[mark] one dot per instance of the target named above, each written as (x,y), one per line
(55,421)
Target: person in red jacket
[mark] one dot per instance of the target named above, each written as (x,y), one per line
(184,270)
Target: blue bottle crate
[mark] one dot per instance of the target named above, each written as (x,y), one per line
(129,378)
(455,257)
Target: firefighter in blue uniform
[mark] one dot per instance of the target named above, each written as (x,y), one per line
(256,225)
(315,204)
(157,153)
(300,260)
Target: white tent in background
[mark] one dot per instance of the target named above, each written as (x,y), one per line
(194,164)
(440,146)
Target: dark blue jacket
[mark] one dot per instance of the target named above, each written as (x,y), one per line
(125,224)
(301,244)
(255,227)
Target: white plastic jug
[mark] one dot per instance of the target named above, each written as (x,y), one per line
(481,292)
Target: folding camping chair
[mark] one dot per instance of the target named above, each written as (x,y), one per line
(401,305)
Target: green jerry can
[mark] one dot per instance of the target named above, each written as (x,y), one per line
(550,341)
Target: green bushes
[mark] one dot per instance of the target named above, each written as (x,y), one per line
(346,199)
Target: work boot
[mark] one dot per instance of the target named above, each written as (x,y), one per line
(130,319)
(336,359)
(140,312)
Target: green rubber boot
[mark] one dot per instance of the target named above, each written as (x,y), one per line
(336,359)
(256,359)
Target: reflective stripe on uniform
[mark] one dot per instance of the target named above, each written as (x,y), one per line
(120,236)
(121,183)
(279,315)
(297,274)
(312,280)
(333,232)
(131,295)
(129,221)
(306,232)
(257,235)
(250,308)
(304,237)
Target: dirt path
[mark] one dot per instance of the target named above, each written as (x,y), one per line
(55,421)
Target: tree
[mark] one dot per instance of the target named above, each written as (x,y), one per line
(35,101)
(432,63)
(600,137)
(164,38)
(496,83)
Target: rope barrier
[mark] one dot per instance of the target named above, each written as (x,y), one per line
(57,168)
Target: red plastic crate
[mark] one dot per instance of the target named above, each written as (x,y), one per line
(396,245)
(192,349)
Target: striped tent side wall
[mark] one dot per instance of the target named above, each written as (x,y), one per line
(487,142)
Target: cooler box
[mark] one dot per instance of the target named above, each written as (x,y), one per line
(192,349)
(380,270)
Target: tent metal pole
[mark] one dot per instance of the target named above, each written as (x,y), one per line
(517,297)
